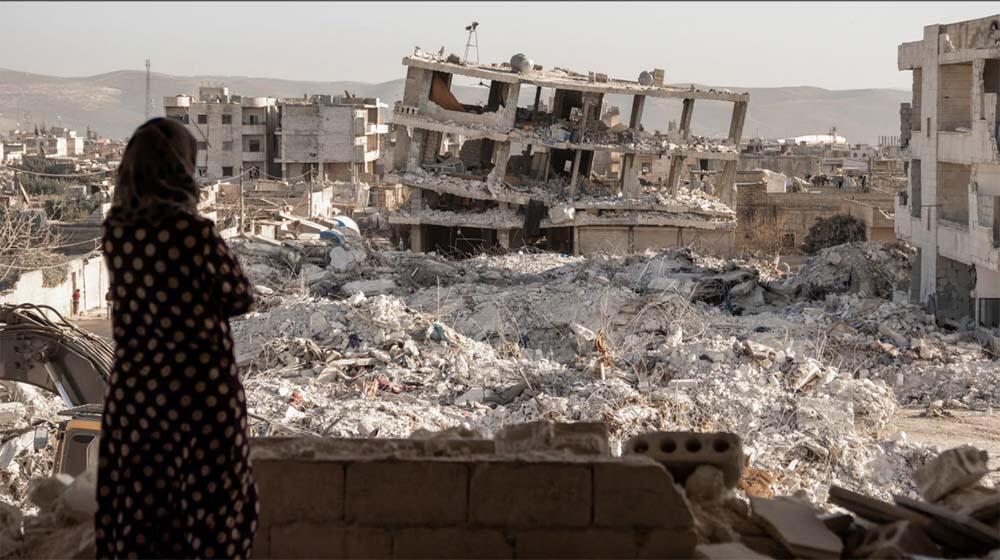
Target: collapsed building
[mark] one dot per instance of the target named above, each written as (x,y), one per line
(523,174)
(951,209)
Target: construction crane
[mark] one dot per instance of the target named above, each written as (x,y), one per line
(149,100)
(472,42)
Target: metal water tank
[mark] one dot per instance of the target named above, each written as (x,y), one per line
(521,63)
(645,78)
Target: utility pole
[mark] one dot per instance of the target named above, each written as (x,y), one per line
(149,101)
(241,218)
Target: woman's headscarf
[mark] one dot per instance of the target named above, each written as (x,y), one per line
(156,177)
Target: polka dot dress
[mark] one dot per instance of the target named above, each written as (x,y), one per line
(174,478)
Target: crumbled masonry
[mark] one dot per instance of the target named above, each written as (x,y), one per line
(806,368)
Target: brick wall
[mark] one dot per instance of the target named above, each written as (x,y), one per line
(460,499)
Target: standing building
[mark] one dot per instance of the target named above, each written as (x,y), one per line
(235,134)
(525,173)
(330,138)
(951,208)
(315,138)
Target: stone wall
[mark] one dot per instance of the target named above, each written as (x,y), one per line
(460,498)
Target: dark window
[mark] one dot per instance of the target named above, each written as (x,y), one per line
(253,146)
(202,146)
(202,171)
(227,171)
(181,118)
(252,119)
(202,119)
(227,119)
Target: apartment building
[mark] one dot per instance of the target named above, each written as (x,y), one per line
(528,173)
(235,134)
(330,138)
(950,209)
(321,138)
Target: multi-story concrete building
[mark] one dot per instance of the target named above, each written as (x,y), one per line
(316,138)
(330,137)
(951,208)
(524,174)
(235,134)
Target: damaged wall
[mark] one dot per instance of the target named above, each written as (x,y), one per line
(459,499)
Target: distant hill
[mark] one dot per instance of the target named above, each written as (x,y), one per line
(113,103)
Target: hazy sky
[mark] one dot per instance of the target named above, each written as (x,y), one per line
(837,45)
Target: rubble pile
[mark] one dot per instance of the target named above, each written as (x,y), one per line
(23,408)
(807,368)
(666,340)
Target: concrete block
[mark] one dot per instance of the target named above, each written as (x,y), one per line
(512,494)
(682,452)
(638,494)
(579,543)
(308,540)
(429,494)
(953,469)
(299,491)
(454,542)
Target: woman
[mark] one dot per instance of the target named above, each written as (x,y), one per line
(174,478)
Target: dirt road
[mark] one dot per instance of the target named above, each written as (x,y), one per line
(979,429)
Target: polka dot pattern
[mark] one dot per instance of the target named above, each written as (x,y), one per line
(174,478)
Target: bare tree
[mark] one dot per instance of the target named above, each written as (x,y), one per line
(26,243)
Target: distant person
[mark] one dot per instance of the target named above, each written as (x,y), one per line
(75,308)
(174,478)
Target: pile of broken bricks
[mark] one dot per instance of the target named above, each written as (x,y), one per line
(960,517)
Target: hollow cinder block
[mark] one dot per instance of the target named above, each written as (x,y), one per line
(682,452)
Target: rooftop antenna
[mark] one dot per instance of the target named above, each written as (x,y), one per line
(149,101)
(472,42)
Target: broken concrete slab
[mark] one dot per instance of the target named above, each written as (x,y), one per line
(796,526)
(972,536)
(953,469)
(815,415)
(901,539)
(581,438)
(871,509)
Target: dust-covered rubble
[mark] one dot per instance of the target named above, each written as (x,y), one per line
(807,368)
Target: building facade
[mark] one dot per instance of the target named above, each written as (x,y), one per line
(235,134)
(950,209)
(330,138)
(316,138)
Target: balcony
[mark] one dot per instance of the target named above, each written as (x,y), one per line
(253,156)
(377,128)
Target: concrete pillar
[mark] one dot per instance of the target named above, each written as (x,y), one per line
(736,124)
(576,173)
(538,99)
(686,112)
(500,157)
(674,176)
(417,238)
(510,109)
(725,188)
(638,104)
(415,155)
(503,238)
(630,176)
